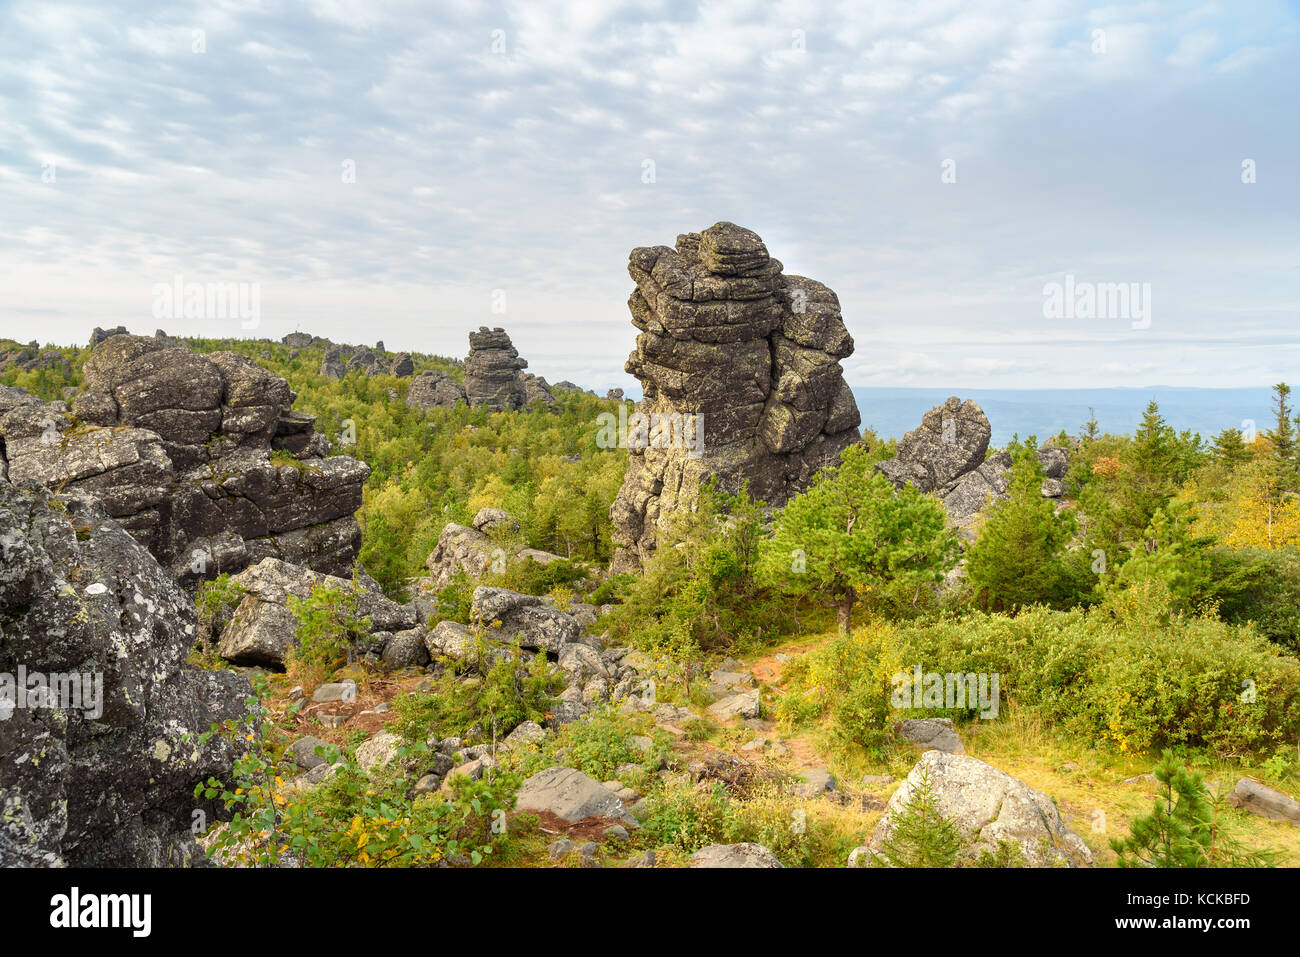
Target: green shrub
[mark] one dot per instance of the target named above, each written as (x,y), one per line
(328,624)
(1130,674)
(1184,828)
(484,707)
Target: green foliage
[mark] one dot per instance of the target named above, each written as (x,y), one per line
(1131,674)
(1021,557)
(1171,556)
(1230,448)
(699,592)
(328,624)
(1282,437)
(845,686)
(1261,586)
(485,706)
(692,817)
(597,746)
(921,836)
(215,602)
(351,819)
(1184,827)
(1122,493)
(852,537)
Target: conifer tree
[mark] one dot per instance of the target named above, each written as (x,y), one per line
(921,836)
(1231,448)
(1183,828)
(1020,556)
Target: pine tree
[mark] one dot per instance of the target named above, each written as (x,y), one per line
(921,836)
(1091,428)
(1283,434)
(1231,448)
(1020,556)
(851,536)
(1183,828)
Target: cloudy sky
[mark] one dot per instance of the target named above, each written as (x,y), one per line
(401,171)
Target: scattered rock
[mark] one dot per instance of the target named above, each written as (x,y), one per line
(262,629)
(570,795)
(303,752)
(745,705)
(734,855)
(816,782)
(378,751)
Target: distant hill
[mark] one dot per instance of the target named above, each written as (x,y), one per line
(1044,412)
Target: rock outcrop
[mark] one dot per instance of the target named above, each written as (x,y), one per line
(261,630)
(435,390)
(947,455)
(475,552)
(104,776)
(988,806)
(178,447)
(493,372)
(32,358)
(740,368)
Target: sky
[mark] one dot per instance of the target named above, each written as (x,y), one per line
(407,172)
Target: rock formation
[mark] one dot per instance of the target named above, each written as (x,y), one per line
(754,354)
(435,390)
(261,630)
(947,455)
(107,782)
(178,448)
(338,361)
(32,358)
(493,376)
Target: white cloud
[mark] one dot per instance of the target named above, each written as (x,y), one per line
(523,169)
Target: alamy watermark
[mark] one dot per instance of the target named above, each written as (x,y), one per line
(654,430)
(66,691)
(949,690)
(1098,300)
(208,300)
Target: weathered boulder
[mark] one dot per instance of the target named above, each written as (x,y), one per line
(950,442)
(571,796)
(735,855)
(104,776)
(262,629)
(493,378)
(928,734)
(513,618)
(948,456)
(490,519)
(745,705)
(536,389)
(378,751)
(739,365)
(402,366)
(462,549)
(1264,801)
(979,487)
(435,390)
(987,806)
(177,446)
